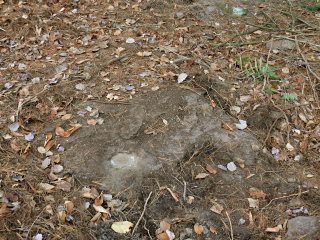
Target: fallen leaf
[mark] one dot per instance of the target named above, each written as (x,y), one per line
(41,150)
(49,209)
(251,223)
(190,199)
(163,236)
(213,230)
(210,169)
(198,228)
(45,163)
(63,185)
(96,217)
(257,194)
(253,203)
(213,104)
(98,201)
(273,230)
(174,196)
(66,116)
(245,98)
(289,147)
(61,216)
(164,226)
(100,209)
(68,205)
(202,175)
(92,122)
(49,145)
(88,195)
(217,208)
(227,127)
(214,67)
(48,138)
(67,133)
(122,227)
(46,187)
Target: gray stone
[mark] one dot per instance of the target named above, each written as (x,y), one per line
(158,128)
(306,228)
(179,14)
(281,45)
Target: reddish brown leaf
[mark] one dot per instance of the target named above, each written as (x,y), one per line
(227,127)
(210,169)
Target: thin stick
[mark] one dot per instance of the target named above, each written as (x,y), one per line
(291,195)
(231,229)
(311,71)
(144,209)
(34,222)
(269,132)
(184,190)
(287,120)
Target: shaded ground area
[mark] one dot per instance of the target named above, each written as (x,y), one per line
(129,112)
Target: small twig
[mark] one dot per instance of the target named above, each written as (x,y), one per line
(287,120)
(144,209)
(184,190)
(310,70)
(288,196)
(238,44)
(269,132)
(34,223)
(230,223)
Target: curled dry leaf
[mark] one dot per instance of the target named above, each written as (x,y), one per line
(217,208)
(163,236)
(48,138)
(46,187)
(92,122)
(190,199)
(164,226)
(67,133)
(68,205)
(122,227)
(202,175)
(174,196)
(210,169)
(49,145)
(198,228)
(48,209)
(257,194)
(96,217)
(98,201)
(61,215)
(273,230)
(100,209)
(213,230)
(253,203)
(88,195)
(227,127)
(41,150)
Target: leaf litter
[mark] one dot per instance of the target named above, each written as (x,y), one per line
(56,55)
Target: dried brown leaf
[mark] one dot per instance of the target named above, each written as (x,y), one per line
(210,169)
(198,228)
(202,175)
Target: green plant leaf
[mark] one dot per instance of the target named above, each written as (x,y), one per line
(270,91)
(289,97)
(313,8)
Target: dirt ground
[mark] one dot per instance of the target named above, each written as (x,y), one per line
(61,61)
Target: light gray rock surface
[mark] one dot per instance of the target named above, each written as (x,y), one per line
(158,128)
(303,227)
